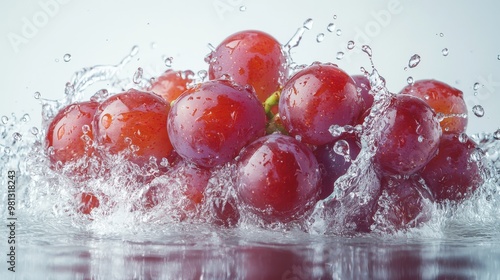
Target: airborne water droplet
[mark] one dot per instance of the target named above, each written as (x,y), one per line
(138,75)
(366,49)
(37,95)
(476,86)
(350,45)
(441,34)
(243,8)
(478,110)
(462,137)
(202,74)
(445,52)
(498,57)
(340,55)
(496,134)
(26,118)
(67,57)
(334,16)
(320,37)
(339,32)
(34,130)
(330,27)
(5,119)
(17,136)
(409,80)
(308,24)
(414,61)
(168,61)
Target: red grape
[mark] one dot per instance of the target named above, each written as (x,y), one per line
(316,98)
(210,123)
(333,163)
(277,178)
(443,99)
(404,203)
(171,84)
(134,121)
(452,174)
(407,137)
(70,132)
(363,86)
(250,58)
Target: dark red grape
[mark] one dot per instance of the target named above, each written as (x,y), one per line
(210,123)
(277,178)
(316,98)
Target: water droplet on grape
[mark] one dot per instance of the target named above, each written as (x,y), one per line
(67,57)
(168,61)
(414,61)
(476,86)
(320,37)
(298,138)
(445,52)
(420,138)
(5,119)
(350,45)
(336,130)
(106,121)
(37,95)
(409,80)
(243,8)
(17,136)
(308,24)
(478,110)
(338,32)
(330,27)
(462,137)
(138,75)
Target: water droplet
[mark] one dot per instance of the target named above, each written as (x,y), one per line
(330,27)
(308,24)
(34,130)
(134,51)
(334,16)
(366,49)
(26,118)
(341,147)
(336,130)
(7,150)
(320,37)
(476,86)
(441,34)
(243,8)
(85,129)
(338,32)
(17,136)
(106,121)
(496,134)
(445,52)
(154,45)
(100,95)
(138,75)
(67,57)
(498,57)
(478,110)
(211,47)
(202,74)
(350,45)
(5,119)
(409,80)
(168,61)
(462,137)
(340,55)
(298,138)
(56,60)
(414,61)
(420,138)
(37,95)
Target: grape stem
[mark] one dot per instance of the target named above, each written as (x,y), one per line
(270,102)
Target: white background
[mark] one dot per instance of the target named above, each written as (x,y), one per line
(36,34)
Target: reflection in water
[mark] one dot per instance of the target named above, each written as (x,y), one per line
(234,254)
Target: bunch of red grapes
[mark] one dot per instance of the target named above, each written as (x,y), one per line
(276,130)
